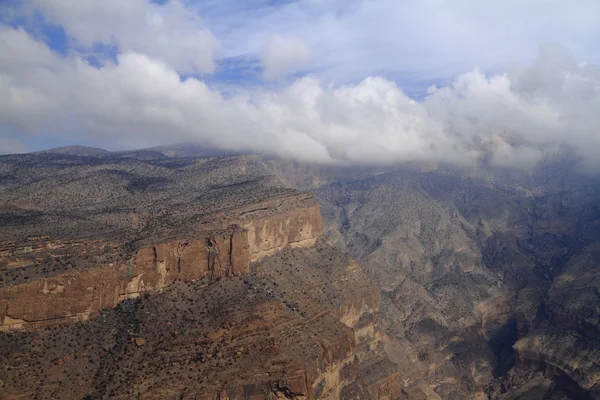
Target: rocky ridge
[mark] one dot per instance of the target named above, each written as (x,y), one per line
(488,276)
(246,300)
(223,246)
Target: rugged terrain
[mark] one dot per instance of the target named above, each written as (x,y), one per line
(135,275)
(489,277)
(160,274)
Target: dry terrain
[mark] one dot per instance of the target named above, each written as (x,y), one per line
(170,274)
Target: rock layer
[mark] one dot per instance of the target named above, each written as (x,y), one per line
(223,246)
(301,324)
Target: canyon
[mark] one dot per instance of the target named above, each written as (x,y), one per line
(489,277)
(244,300)
(153,274)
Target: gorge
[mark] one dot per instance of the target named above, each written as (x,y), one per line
(153,275)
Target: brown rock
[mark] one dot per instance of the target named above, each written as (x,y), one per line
(223,250)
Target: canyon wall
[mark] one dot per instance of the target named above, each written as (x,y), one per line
(303,323)
(222,246)
(137,276)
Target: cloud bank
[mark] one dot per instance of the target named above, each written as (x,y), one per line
(145,97)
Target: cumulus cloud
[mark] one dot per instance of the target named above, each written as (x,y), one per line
(28,76)
(515,118)
(284,55)
(169,32)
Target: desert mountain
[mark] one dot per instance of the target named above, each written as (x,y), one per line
(171,273)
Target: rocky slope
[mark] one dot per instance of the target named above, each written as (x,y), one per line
(488,277)
(226,292)
(297,326)
(142,275)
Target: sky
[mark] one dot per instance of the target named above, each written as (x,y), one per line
(510,82)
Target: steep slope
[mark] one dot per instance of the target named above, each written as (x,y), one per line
(292,328)
(470,264)
(220,288)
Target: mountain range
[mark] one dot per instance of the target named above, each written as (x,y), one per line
(181,272)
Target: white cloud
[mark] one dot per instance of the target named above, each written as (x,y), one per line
(28,76)
(408,40)
(169,32)
(509,119)
(284,55)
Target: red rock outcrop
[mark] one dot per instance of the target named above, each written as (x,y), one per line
(303,324)
(222,246)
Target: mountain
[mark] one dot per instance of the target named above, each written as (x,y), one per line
(489,278)
(151,274)
(194,150)
(137,275)
(78,151)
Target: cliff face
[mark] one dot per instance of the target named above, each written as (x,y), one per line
(268,234)
(318,282)
(301,324)
(221,247)
(79,294)
(244,303)
(489,277)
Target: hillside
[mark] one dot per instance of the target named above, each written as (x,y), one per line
(489,277)
(152,275)
(140,276)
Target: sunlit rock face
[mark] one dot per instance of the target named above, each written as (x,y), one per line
(214,278)
(232,294)
(223,246)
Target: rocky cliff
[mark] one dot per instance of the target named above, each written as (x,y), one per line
(489,277)
(222,246)
(302,323)
(229,293)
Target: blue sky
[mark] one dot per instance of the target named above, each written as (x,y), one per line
(307,79)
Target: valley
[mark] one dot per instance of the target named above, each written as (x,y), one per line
(153,274)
